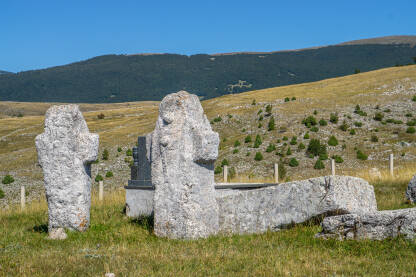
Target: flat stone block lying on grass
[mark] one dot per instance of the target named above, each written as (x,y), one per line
(376,225)
(274,208)
(65,152)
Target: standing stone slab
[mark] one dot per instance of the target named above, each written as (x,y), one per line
(65,151)
(274,208)
(376,225)
(184,149)
(411,190)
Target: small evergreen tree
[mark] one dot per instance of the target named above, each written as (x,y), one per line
(105,155)
(8,179)
(271,124)
(332,141)
(247,139)
(293,162)
(319,164)
(257,142)
(258,156)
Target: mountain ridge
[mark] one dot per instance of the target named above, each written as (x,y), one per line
(126,78)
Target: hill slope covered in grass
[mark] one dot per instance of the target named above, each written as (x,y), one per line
(383,124)
(123,78)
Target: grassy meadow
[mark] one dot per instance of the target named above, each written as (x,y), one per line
(127,247)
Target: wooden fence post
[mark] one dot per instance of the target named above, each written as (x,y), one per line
(276,173)
(101,191)
(332,167)
(225,174)
(22,197)
(391,165)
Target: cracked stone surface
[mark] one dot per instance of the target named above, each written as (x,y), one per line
(65,151)
(183,151)
(274,208)
(375,226)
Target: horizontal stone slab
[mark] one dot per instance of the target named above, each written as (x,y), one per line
(375,226)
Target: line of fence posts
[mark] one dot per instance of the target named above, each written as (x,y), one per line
(332,163)
(225,176)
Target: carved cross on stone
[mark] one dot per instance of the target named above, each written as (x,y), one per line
(65,152)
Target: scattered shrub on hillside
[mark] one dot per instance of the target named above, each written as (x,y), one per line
(254,102)
(289,151)
(218,170)
(285,138)
(119,149)
(109,174)
(271,124)
(319,164)
(247,139)
(323,156)
(99,178)
(315,147)
(244,130)
(293,162)
(2,194)
(224,139)
(260,125)
(411,122)
(315,112)
(411,130)
(344,146)
(294,141)
(258,156)
(333,118)
(257,142)
(414,98)
(261,118)
(278,140)
(293,98)
(314,129)
(361,155)
(301,146)
(247,154)
(129,152)
(105,155)
(287,99)
(409,115)
(101,116)
(387,110)
(8,179)
(270,148)
(332,141)
(344,126)
(323,122)
(358,124)
(309,121)
(230,116)
(217,119)
(374,138)
(235,151)
(259,112)
(237,143)
(378,117)
(352,132)
(338,159)
(268,110)
(306,136)
(224,162)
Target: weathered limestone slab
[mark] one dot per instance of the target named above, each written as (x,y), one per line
(375,225)
(65,151)
(274,208)
(411,190)
(184,149)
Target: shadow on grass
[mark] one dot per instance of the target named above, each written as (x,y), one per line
(42,228)
(146,222)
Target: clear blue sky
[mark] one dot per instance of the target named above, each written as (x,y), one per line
(38,34)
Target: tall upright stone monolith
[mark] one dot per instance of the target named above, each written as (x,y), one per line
(65,152)
(184,149)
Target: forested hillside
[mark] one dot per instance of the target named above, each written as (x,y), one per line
(122,78)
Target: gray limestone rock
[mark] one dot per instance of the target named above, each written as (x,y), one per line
(411,190)
(183,151)
(375,225)
(274,208)
(65,151)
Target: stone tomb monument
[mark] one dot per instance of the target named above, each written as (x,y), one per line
(65,152)
(188,204)
(140,190)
